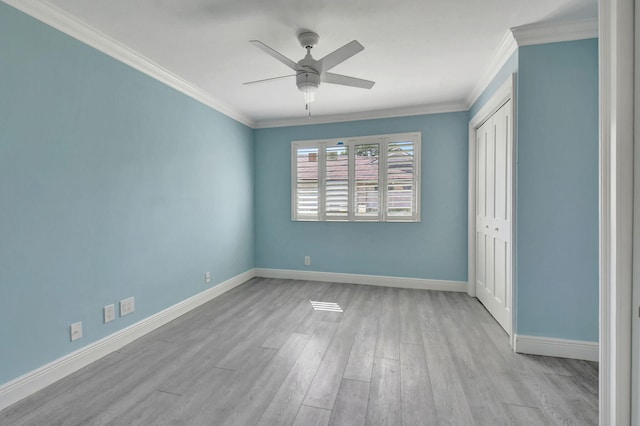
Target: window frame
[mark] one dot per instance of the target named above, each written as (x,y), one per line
(351,142)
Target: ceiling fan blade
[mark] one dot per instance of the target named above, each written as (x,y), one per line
(269,79)
(279,56)
(332,78)
(340,55)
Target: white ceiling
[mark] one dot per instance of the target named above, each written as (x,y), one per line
(419,52)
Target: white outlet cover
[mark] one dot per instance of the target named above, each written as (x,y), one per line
(127,306)
(76,331)
(109,313)
(207,277)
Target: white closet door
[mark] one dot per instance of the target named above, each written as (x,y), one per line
(493,222)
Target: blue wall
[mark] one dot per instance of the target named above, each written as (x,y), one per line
(111,185)
(435,248)
(557,202)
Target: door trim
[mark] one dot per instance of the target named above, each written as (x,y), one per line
(616,22)
(506,91)
(635,312)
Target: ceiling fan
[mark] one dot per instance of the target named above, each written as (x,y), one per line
(309,72)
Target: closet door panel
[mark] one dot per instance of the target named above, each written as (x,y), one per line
(494,152)
(500,271)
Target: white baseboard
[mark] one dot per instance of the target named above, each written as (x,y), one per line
(377,280)
(35,380)
(575,349)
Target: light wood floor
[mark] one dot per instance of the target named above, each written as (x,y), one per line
(260,355)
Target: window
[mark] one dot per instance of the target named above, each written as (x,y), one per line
(371,178)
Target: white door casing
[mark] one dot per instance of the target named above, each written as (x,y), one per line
(616,53)
(635,313)
(493,217)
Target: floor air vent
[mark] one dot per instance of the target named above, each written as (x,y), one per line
(325,306)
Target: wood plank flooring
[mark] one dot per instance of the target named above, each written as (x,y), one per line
(259,355)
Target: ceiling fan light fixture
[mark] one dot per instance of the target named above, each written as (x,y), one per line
(309,96)
(309,91)
(308,84)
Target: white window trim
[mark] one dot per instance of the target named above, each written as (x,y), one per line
(383,140)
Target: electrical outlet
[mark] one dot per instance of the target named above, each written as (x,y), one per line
(307,260)
(109,313)
(207,277)
(76,331)
(127,306)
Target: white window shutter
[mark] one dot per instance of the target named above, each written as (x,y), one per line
(373,178)
(337,182)
(401,182)
(307,184)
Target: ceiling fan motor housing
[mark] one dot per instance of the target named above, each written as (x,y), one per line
(308,81)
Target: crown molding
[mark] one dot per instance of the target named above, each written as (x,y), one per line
(500,56)
(72,26)
(365,115)
(525,35)
(553,32)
